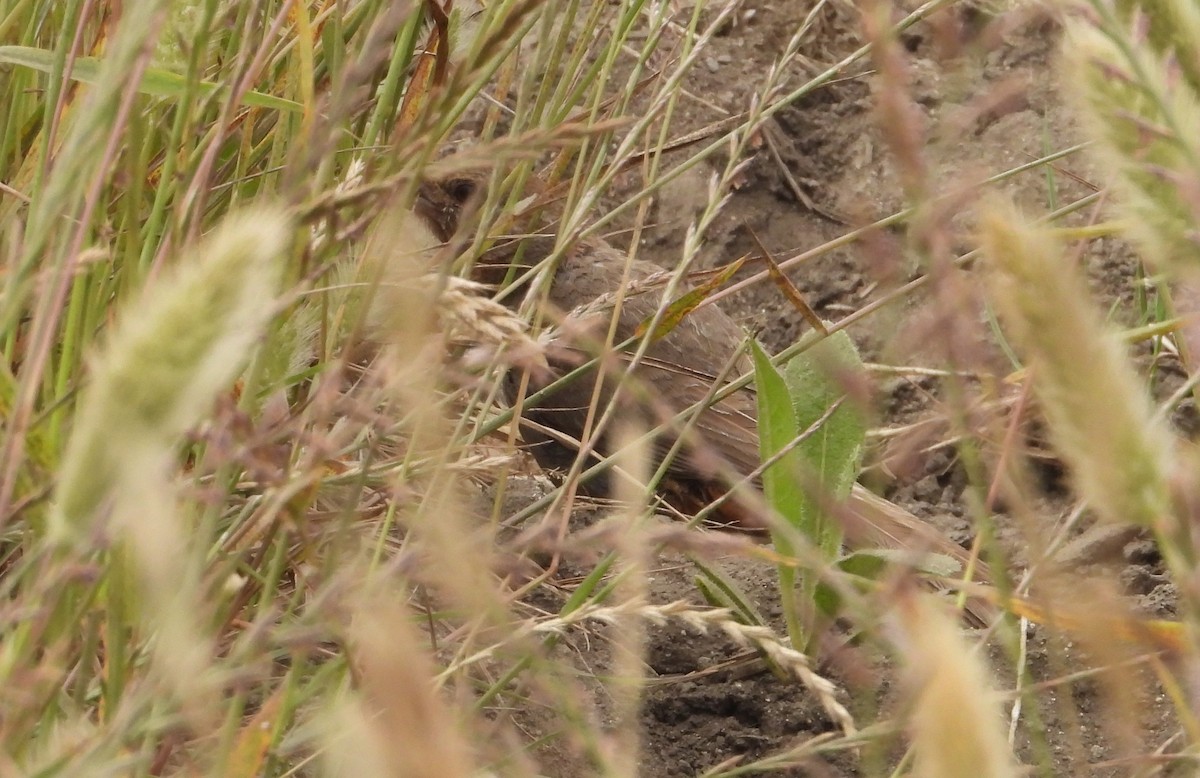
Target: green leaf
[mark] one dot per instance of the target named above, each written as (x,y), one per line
(721,592)
(781,485)
(869,564)
(798,401)
(807,399)
(778,427)
(155,81)
(816,382)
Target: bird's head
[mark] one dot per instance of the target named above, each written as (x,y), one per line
(447,204)
(442,202)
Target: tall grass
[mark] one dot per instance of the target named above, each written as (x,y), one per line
(239,533)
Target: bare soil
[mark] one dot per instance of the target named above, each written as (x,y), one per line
(991,100)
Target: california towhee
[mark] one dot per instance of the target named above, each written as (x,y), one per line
(677,372)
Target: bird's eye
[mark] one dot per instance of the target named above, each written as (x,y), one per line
(460,189)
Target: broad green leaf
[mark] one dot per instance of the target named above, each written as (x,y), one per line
(798,401)
(807,399)
(155,82)
(833,451)
(869,564)
(782,483)
(777,428)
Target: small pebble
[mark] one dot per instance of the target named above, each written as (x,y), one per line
(712,64)
(724,59)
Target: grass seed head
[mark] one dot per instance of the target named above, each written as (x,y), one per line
(954,723)
(174,350)
(1144,110)
(1100,418)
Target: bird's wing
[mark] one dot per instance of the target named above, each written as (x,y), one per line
(726,428)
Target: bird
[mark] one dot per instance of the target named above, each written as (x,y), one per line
(677,372)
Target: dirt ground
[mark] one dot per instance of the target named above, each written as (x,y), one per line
(991,99)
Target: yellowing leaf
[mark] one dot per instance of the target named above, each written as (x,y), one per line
(689,302)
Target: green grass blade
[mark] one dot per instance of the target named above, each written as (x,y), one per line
(156,82)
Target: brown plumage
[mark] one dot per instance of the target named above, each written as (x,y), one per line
(677,372)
